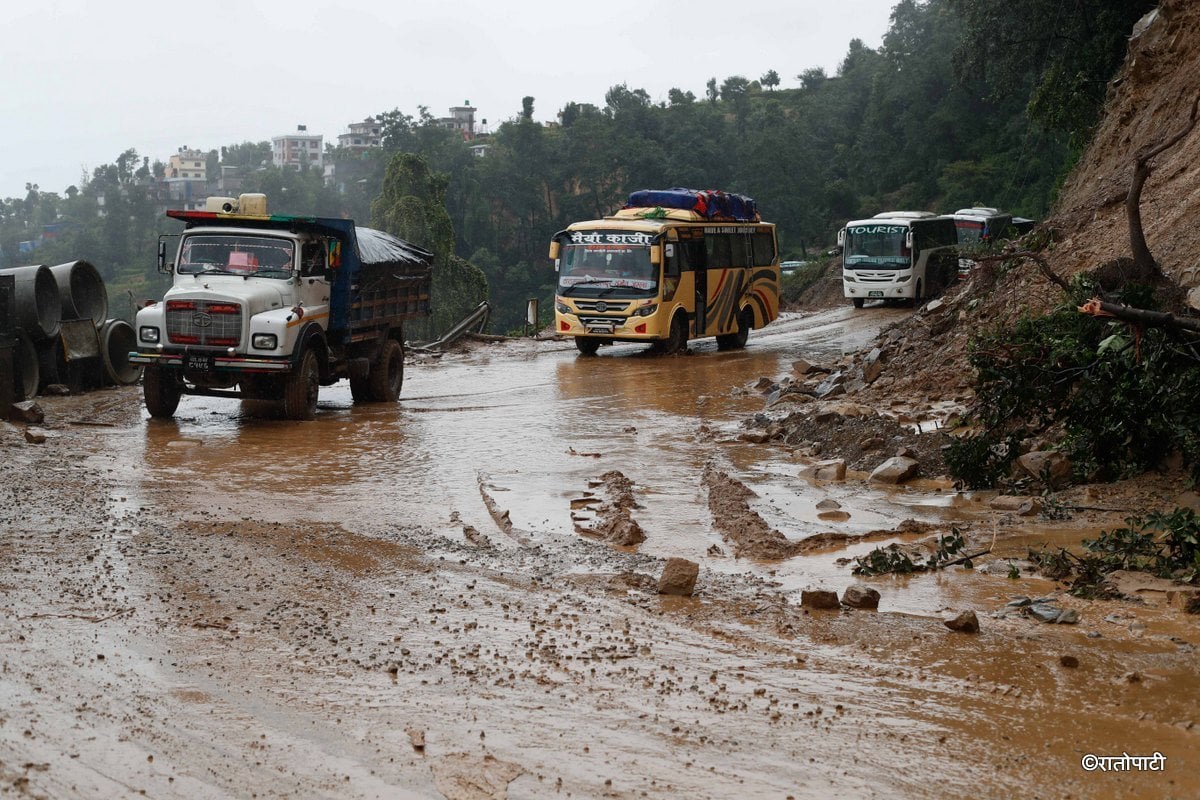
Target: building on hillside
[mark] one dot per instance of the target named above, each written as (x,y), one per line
(186,178)
(187,163)
(461,119)
(361,136)
(298,150)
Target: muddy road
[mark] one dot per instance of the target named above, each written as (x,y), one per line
(418,601)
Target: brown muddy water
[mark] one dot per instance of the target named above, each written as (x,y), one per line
(394,602)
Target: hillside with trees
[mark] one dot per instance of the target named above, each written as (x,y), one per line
(964,102)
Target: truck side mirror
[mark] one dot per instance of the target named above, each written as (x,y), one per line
(163,266)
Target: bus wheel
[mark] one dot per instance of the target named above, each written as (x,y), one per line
(587,345)
(858,302)
(677,338)
(736,341)
(918,294)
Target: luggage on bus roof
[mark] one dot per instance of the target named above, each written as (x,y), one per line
(709,203)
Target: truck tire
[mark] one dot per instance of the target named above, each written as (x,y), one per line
(301,387)
(162,391)
(387,374)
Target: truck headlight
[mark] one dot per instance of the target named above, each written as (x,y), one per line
(264,341)
(562,308)
(148,334)
(646,311)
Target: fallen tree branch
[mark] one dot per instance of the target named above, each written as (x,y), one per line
(1139,316)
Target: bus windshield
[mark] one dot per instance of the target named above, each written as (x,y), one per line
(601,260)
(877,246)
(236,255)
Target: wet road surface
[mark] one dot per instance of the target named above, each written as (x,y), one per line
(234,605)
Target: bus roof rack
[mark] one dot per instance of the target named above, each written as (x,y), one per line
(904,215)
(711,204)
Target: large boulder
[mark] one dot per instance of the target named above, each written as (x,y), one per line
(895,470)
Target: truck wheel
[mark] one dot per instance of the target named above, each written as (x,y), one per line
(587,345)
(300,389)
(387,373)
(162,391)
(677,337)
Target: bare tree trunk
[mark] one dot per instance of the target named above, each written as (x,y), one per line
(1144,264)
(1139,316)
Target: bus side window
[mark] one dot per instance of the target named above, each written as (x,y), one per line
(764,249)
(717,246)
(673,253)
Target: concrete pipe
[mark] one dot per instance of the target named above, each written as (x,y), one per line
(38,306)
(27,374)
(116,341)
(82,291)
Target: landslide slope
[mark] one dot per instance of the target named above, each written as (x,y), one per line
(1148,101)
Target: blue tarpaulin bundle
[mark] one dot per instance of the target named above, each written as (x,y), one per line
(709,203)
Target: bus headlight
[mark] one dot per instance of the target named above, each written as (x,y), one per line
(645,311)
(848,277)
(264,341)
(148,334)
(904,279)
(562,308)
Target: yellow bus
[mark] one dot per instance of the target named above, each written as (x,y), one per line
(666,275)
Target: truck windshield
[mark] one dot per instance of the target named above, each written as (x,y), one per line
(236,255)
(874,246)
(595,262)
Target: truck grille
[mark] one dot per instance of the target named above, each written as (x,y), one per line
(201,322)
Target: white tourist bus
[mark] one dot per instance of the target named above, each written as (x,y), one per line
(898,256)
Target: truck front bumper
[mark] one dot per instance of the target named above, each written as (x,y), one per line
(205,361)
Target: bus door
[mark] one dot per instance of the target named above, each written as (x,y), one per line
(694,260)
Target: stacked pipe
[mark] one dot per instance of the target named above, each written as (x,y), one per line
(62,331)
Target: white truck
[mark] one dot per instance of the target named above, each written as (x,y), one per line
(898,255)
(271,307)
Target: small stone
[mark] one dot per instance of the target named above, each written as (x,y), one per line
(828,504)
(1070,662)
(1043,612)
(871,443)
(678,577)
(859,596)
(833,469)
(1019,602)
(1132,677)
(35,436)
(27,411)
(819,598)
(1068,617)
(802,367)
(965,622)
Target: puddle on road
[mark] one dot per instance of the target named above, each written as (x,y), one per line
(535,423)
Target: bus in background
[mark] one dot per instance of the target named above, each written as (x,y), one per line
(672,265)
(898,255)
(976,225)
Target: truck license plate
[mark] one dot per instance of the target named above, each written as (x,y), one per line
(874,294)
(199,362)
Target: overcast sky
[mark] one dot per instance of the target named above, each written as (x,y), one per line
(85,80)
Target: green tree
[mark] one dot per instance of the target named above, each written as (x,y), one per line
(412,206)
(1059,55)
(770,80)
